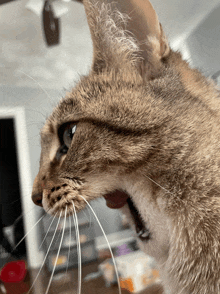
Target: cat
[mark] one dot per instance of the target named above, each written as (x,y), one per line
(141,130)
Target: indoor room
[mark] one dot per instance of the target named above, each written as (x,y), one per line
(46,50)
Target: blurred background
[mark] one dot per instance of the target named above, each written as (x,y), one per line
(45,47)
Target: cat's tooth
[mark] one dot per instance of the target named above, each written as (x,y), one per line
(140,233)
(144,234)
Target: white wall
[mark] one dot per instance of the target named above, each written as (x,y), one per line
(204,43)
(179,17)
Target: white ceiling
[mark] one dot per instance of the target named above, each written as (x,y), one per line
(25,56)
(25,60)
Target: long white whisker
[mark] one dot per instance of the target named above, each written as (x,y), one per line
(68,257)
(27,233)
(164,189)
(13,202)
(113,259)
(46,253)
(159,185)
(58,237)
(78,249)
(22,215)
(38,84)
(47,231)
(70,237)
(58,252)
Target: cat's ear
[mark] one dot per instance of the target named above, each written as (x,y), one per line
(132,37)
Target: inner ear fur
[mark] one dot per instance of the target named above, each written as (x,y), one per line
(145,26)
(126,35)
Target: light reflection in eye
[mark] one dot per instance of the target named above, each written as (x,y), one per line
(73,129)
(68,134)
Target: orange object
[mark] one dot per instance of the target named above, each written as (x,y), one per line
(127,285)
(137,271)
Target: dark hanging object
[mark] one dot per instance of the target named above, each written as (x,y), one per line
(51,25)
(5,1)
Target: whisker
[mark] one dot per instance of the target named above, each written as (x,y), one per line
(78,249)
(34,123)
(27,233)
(70,237)
(36,112)
(58,252)
(38,84)
(22,215)
(68,257)
(179,199)
(113,259)
(23,196)
(58,237)
(47,230)
(159,185)
(46,253)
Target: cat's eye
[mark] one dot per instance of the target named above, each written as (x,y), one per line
(68,134)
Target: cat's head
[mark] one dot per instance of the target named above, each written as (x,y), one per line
(93,141)
(101,135)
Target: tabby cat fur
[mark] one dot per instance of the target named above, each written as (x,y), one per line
(145,123)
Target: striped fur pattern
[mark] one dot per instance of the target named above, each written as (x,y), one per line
(147,124)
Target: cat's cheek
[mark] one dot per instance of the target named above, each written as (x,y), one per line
(61,160)
(155,247)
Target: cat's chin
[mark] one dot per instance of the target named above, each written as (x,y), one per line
(117,199)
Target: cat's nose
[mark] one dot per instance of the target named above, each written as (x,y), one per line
(37,199)
(37,192)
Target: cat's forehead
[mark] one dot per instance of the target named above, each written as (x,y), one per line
(102,99)
(68,109)
(90,96)
(48,129)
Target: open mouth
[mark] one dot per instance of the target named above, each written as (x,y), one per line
(118,199)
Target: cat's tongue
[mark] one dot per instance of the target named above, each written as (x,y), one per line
(116,199)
